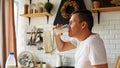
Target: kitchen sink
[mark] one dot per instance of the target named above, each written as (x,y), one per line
(65,67)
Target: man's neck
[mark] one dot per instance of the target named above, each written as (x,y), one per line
(84,35)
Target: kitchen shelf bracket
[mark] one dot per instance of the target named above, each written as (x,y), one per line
(98,12)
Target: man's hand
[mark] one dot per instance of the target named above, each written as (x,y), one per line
(56,27)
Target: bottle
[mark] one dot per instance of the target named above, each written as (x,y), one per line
(59,60)
(62,29)
(11,62)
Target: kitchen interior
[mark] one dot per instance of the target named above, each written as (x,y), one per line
(34,36)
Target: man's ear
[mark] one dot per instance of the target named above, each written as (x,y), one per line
(83,24)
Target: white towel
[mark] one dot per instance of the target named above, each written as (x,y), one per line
(47,42)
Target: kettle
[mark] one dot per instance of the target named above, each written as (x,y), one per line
(59,60)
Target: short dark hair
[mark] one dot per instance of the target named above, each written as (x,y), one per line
(85,15)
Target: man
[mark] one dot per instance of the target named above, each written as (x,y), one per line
(90,52)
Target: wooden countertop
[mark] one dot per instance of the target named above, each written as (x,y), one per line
(34,67)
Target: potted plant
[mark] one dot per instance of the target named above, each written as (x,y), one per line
(48,6)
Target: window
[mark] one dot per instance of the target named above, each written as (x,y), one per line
(16,9)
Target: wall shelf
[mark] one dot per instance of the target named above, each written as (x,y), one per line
(106,9)
(36,14)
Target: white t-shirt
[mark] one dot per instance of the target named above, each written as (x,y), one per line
(89,52)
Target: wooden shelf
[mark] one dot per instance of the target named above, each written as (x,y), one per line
(106,9)
(36,14)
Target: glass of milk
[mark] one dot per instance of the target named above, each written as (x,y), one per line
(61,29)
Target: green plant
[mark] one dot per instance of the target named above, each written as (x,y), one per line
(48,6)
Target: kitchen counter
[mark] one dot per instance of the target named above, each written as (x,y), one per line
(65,67)
(54,67)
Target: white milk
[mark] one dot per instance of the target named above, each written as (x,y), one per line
(59,31)
(11,66)
(62,29)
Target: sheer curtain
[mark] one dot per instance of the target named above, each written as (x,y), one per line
(8,37)
(1,32)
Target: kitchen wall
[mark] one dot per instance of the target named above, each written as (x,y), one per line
(108,30)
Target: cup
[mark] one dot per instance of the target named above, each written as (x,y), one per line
(61,29)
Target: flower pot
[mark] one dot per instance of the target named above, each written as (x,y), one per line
(48,10)
(48,6)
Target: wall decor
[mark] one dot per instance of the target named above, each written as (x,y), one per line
(66,8)
(36,36)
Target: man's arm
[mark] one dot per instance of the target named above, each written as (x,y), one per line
(63,46)
(101,66)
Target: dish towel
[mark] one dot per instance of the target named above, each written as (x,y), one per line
(47,42)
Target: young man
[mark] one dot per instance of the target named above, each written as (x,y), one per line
(90,52)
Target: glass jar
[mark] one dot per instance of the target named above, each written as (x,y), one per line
(39,64)
(61,29)
(40,7)
(96,4)
(33,8)
(26,8)
(44,65)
